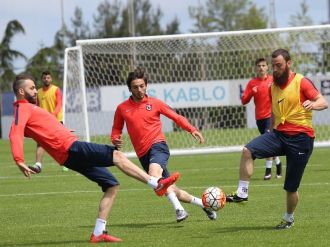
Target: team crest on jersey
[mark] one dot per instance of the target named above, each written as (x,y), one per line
(148,107)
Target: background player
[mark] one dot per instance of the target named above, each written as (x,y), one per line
(258,89)
(88,159)
(141,114)
(293,99)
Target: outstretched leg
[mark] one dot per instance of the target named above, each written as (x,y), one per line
(129,168)
(100,234)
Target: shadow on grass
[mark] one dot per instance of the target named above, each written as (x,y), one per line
(149,225)
(143,225)
(244,229)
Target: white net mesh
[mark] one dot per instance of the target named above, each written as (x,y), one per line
(199,75)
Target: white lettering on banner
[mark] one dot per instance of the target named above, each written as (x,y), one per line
(74,100)
(176,95)
(193,94)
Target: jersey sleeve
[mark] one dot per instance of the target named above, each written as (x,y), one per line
(178,119)
(118,124)
(308,89)
(16,134)
(247,94)
(58,107)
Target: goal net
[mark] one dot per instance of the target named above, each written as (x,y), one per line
(201,76)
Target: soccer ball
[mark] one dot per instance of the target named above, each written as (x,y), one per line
(214,198)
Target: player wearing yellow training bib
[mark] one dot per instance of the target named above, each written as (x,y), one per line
(49,98)
(293,97)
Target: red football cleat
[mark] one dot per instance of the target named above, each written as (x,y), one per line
(164,183)
(104,237)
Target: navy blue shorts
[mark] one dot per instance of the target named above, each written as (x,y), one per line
(158,153)
(297,149)
(264,125)
(91,160)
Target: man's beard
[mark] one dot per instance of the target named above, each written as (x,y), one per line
(30,98)
(138,96)
(283,78)
(46,84)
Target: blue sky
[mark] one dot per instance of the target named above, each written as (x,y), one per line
(42,18)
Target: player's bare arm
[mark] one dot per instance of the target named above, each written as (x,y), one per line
(318,104)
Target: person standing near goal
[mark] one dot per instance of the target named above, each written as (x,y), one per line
(258,88)
(293,98)
(141,114)
(50,99)
(89,159)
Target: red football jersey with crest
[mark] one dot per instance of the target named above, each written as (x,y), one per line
(143,122)
(262,102)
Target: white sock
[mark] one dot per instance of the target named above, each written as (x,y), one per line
(288,217)
(197,201)
(243,187)
(175,201)
(38,164)
(99,226)
(269,163)
(153,182)
(277,160)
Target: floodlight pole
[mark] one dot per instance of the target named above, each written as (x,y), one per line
(272,15)
(62,14)
(131,30)
(131,18)
(328,11)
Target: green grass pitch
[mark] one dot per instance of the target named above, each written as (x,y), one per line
(57,208)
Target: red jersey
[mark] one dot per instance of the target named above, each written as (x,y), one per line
(143,122)
(262,102)
(43,127)
(307,92)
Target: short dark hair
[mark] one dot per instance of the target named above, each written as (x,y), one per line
(20,79)
(46,72)
(260,59)
(138,73)
(285,54)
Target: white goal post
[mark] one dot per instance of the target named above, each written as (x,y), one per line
(199,75)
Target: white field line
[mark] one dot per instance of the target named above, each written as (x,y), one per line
(147,189)
(185,169)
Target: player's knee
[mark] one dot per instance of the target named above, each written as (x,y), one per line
(114,189)
(110,189)
(119,158)
(246,153)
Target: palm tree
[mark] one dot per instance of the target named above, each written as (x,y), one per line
(7,55)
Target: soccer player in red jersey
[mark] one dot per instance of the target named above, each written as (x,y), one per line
(293,98)
(141,114)
(88,159)
(258,89)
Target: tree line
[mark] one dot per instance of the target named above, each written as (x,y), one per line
(111,20)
